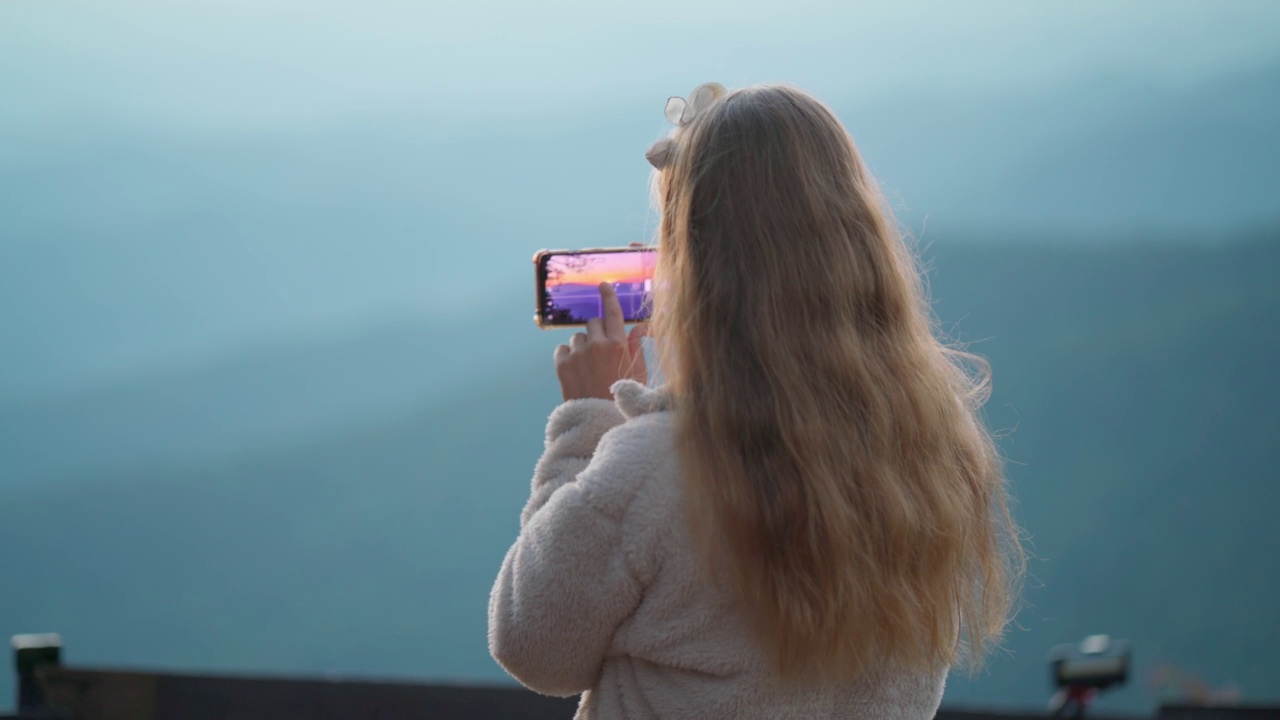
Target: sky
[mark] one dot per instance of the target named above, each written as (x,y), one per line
(598,268)
(180,180)
(242,64)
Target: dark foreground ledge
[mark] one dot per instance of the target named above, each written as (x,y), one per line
(94,694)
(103,694)
(47,689)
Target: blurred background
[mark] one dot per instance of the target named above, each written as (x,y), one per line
(270,392)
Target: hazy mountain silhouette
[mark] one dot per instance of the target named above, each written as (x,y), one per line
(257,397)
(1134,388)
(128,250)
(1100,156)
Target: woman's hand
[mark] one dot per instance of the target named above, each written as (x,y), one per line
(594,360)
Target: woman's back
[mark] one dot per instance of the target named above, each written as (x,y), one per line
(677,648)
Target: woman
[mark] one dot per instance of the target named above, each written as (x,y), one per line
(808,520)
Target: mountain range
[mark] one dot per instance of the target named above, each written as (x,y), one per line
(130,249)
(342,504)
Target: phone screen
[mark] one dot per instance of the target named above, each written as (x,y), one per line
(569,284)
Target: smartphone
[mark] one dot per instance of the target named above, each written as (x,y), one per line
(568,284)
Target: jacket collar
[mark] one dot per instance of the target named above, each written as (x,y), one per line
(635,399)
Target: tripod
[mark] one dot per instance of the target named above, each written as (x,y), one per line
(1072,702)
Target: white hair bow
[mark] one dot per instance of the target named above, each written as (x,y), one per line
(681,112)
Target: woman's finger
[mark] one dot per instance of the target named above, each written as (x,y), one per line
(595,329)
(578,340)
(637,369)
(562,352)
(635,340)
(615,327)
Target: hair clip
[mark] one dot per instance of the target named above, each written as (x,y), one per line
(681,112)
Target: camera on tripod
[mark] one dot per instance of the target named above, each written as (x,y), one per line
(1080,671)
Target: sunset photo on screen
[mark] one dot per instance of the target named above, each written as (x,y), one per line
(573,284)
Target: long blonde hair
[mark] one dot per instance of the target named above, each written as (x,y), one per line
(839,479)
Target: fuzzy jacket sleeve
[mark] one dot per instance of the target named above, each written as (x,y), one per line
(565,585)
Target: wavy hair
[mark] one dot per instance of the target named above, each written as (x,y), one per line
(839,478)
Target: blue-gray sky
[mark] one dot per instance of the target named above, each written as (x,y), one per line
(244,64)
(179,179)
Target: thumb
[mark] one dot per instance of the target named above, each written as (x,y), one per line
(635,348)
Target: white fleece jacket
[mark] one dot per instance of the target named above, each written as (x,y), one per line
(601,594)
